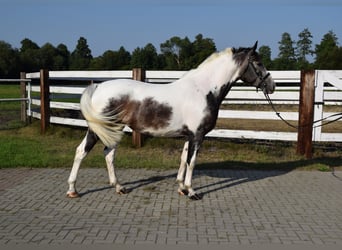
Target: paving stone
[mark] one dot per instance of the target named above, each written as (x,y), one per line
(238,207)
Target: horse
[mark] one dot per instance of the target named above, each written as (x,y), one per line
(187,107)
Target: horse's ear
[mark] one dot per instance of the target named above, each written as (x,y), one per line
(255,46)
(253,49)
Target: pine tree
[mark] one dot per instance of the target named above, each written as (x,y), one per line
(303,50)
(81,56)
(62,59)
(146,58)
(9,61)
(29,56)
(286,58)
(327,52)
(265,54)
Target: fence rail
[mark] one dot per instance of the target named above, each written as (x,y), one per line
(24,99)
(287,93)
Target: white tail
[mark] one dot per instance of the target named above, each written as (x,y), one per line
(105,125)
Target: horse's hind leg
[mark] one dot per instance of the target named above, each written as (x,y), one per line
(113,180)
(81,152)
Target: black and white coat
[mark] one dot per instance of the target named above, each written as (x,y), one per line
(187,107)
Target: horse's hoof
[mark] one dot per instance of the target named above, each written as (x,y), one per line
(123,191)
(73,195)
(196,197)
(183,192)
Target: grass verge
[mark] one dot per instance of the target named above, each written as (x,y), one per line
(25,147)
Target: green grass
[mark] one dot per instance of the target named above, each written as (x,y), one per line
(10,111)
(25,147)
(9,90)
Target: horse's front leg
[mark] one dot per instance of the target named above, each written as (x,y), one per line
(113,180)
(191,161)
(181,172)
(188,161)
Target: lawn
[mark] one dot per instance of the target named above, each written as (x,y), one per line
(23,146)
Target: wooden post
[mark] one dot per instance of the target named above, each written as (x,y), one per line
(306,113)
(44,100)
(23,94)
(139,75)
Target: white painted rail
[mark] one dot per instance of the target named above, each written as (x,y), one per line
(287,93)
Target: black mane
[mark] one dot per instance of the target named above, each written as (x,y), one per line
(239,55)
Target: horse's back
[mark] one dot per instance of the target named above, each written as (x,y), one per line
(117,86)
(113,89)
(135,90)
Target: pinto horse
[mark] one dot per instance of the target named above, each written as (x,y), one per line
(187,107)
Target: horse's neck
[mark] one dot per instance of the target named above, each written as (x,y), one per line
(215,76)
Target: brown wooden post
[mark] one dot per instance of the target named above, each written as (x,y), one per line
(23,94)
(306,113)
(139,75)
(44,100)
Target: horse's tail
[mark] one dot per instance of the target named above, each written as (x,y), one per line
(106,125)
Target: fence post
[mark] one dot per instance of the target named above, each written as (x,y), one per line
(44,100)
(139,75)
(319,104)
(306,113)
(23,94)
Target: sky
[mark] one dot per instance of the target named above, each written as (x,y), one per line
(107,25)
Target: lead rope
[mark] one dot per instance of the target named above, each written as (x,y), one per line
(297,127)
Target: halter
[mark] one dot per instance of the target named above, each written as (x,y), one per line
(262,86)
(262,83)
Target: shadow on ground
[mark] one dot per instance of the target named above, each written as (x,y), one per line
(239,172)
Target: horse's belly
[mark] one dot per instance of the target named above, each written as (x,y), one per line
(160,132)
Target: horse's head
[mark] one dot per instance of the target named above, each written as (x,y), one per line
(252,70)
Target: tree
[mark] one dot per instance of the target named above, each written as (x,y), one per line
(176,51)
(303,50)
(112,60)
(338,59)
(81,56)
(265,54)
(123,58)
(150,56)
(146,58)
(29,56)
(47,54)
(27,44)
(328,53)
(201,49)
(9,61)
(62,58)
(137,60)
(182,54)
(109,60)
(104,62)
(286,58)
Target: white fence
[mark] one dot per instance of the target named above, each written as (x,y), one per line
(287,92)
